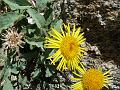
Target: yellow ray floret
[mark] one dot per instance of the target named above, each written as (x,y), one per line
(92,79)
(68,47)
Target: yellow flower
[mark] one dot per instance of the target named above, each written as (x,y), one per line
(92,79)
(68,47)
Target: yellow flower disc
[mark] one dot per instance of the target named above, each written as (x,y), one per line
(93,79)
(69,47)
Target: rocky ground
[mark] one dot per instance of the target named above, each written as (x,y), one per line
(100,20)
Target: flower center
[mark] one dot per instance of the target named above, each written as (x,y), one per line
(93,80)
(13,39)
(69,47)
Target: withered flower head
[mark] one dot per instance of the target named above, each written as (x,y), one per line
(12,39)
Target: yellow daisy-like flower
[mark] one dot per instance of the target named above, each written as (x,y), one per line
(68,46)
(92,79)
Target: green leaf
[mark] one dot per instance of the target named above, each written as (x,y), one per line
(3,57)
(18,4)
(7,73)
(38,42)
(14,71)
(23,59)
(8,85)
(22,65)
(31,31)
(22,80)
(37,17)
(58,24)
(36,73)
(8,19)
(48,16)
(42,3)
(19,78)
(50,70)
(48,73)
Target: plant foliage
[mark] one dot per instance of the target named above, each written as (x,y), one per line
(23,67)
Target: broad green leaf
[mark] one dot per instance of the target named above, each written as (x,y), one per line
(37,17)
(58,25)
(8,85)
(18,4)
(14,71)
(7,73)
(35,41)
(8,19)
